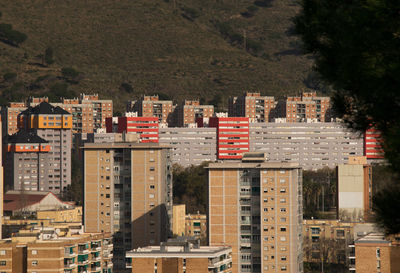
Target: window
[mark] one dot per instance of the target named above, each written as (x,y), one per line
(283,238)
(152,186)
(340,233)
(34,252)
(151,195)
(378,253)
(283,268)
(34,263)
(152,169)
(315,230)
(283,229)
(283,219)
(283,209)
(283,258)
(2,263)
(2,252)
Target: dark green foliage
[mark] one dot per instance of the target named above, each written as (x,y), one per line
(163,96)
(319,192)
(386,205)
(250,11)
(10,76)
(11,36)
(48,56)
(71,75)
(126,87)
(59,90)
(263,3)
(190,187)
(190,13)
(356,46)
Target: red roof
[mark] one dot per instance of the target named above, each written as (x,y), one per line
(17,201)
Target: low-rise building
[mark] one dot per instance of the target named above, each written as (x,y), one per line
(178,219)
(196,226)
(179,257)
(46,250)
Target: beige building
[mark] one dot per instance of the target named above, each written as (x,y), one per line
(37,251)
(196,225)
(375,253)
(178,220)
(128,192)
(64,215)
(180,257)
(151,106)
(327,240)
(190,110)
(354,190)
(256,207)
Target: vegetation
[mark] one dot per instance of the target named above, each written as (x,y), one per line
(48,56)
(319,193)
(190,187)
(172,47)
(356,48)
(10,36)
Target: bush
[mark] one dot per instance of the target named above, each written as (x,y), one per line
(48,56)
(71,75)
(9,76)
(263,3)
(126,87)
(190,13)
(10,36)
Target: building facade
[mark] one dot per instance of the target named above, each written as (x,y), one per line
(252,105)
(256,207)
(178,220)
(52,124)
(196,226)
(354,190)
(232,136)
(128,192)
(190,110)
(313,145)
(373,144)
(33,251)
(306,106)
(151,106)
(190,146)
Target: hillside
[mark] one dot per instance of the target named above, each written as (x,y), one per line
(181,48)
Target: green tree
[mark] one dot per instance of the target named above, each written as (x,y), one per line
(356,48)
(11,36)
(48,56)
(71,74)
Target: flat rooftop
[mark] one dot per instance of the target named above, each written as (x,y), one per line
(179,251)
(373,238)
(130,145)
(253,165)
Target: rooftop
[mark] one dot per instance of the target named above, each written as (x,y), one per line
(260,165)
(373,238)
(45,108)
(24,137)
(131,145)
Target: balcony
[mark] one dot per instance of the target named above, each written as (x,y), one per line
(69,263)
(83,259)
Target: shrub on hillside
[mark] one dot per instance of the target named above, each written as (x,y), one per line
(11,36)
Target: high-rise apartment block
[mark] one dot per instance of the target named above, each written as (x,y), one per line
(180,257)
(304,107)
(373,144)
(256,207)
(52,124)
(232,136)
(128,192)
(190,110)
(252,105)
(10,116)
(151,106)
(26,159)
(354,190)
(145,127)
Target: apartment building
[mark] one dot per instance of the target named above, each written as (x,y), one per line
(306,106)
(252,105)
(190,110)
(354,189)
(151,106)
(180,257)
(373,144)
(145,127)
(377,253)
(128,192)
(178,220)
(52,124)
(256,207)
(232,136)
(326,240)
(47,251)
(9,117)
(196,226)
(26,156)
(313,145)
